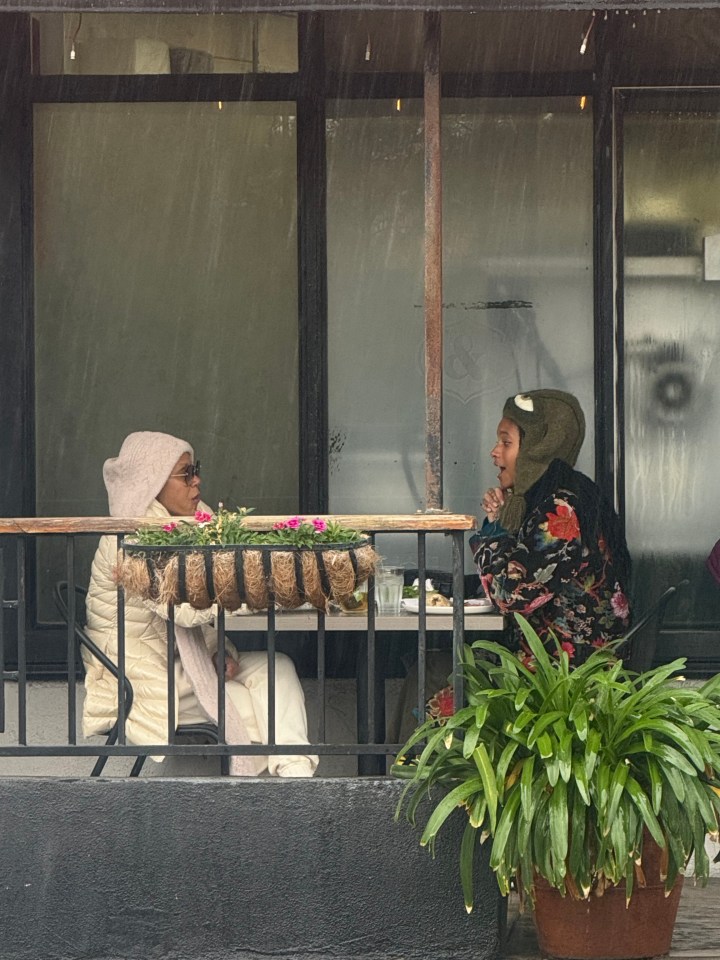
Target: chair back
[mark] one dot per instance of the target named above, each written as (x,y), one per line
(61,597)
(61,594)
(208,731)
(640,642)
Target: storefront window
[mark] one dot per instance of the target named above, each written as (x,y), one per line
(166,295)
(517,286)
(672,350)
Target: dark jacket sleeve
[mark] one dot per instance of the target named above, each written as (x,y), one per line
(521,573)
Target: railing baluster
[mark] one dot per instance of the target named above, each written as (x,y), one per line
(321,675)
(371,699)
(71,644)
(422,626)
(458,554)
(271,668)
(2,641)
(121,656)
(171,673)
(220,622)
(367,764)
(21,646)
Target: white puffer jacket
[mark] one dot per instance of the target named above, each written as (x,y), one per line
(145,650)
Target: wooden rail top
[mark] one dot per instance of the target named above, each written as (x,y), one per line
(374,523)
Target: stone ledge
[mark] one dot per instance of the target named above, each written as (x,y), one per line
(210,868)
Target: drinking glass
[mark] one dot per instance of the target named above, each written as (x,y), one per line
(388,590)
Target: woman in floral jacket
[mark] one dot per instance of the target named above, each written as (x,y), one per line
(551,547)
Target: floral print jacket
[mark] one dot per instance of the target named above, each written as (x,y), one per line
(558,582)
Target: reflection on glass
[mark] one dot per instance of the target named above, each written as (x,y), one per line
(671,40)
(156,307)
(672,355)
(518,287)
(517,273)
(519,41)
(143,43)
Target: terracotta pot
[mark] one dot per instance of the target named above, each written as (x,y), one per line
(603,928)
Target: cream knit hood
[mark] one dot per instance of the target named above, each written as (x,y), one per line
(135,477)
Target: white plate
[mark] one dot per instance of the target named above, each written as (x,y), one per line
(412,605)
(245,611)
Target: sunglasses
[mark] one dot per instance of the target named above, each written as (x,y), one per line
(191,471)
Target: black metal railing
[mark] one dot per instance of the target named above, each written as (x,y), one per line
(370,746)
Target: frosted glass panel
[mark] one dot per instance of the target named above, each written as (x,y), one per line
(155,306)
(527,41)
(518,272)
(672,352)
(518,286)
(146,43)
(375,237)
(166,295)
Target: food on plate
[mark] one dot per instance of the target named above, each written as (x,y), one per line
(412,592)
(438,600)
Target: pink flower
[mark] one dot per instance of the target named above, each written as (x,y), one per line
(169,527)
(294,522)
(569,648)
(202,517)
(319,525)
(280,525)
(619,605)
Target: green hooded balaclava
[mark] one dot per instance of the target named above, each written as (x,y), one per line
(552,428)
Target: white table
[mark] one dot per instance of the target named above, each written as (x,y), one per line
(303,620)
(307,621)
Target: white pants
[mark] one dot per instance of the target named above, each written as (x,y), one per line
(248,691)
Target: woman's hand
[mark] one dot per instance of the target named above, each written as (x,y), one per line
(492,500)
(232,668)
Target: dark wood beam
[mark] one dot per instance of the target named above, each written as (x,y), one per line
(312,269)
(604,264)
(433,267)
(251,6)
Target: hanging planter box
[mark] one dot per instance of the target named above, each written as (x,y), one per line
(252,574)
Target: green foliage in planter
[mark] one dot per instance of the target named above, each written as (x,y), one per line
(562,770)
(228,528)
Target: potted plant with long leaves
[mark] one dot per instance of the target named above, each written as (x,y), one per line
(593,786)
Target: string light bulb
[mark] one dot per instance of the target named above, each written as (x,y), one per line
(398,104)
(73,51)
(586,35)
(368,53)
(583,101)
(220,104)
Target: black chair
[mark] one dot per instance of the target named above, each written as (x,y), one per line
(640,642)
(208,731)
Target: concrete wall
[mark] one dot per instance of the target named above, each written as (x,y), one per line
(191,869)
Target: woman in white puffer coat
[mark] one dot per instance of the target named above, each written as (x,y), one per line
(154,475)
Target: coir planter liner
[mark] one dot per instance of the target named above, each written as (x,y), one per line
(252,574)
